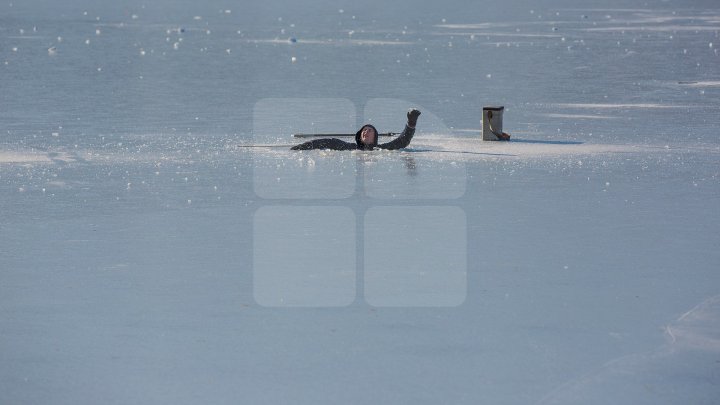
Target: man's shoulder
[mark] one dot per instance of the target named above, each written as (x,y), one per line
(326,143)
(337,144)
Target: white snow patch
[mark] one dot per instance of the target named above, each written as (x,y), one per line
(517,148)
(580,116)
(655,28)
(23,157)
(336,42)
(705,83)
(620,105)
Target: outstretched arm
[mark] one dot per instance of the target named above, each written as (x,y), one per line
(406,136)
(331,143)
(401,141)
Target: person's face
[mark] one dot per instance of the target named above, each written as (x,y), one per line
(367,136)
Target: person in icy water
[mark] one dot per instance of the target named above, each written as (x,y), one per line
(366,138)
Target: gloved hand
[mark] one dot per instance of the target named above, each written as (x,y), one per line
(412,116)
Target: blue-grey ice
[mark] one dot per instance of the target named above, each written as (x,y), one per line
(161,243)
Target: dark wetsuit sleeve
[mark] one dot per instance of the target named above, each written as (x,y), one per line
(331,143)
(401,141)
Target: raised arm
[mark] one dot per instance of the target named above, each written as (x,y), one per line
(406,136)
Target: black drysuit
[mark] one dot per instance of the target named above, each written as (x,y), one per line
(400,142)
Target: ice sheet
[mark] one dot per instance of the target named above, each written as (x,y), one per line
(147,255)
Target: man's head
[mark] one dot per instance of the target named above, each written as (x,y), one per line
(366,137)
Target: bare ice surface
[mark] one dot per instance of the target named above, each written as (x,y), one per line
(161,243)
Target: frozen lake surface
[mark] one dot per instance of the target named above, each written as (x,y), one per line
(150,253)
